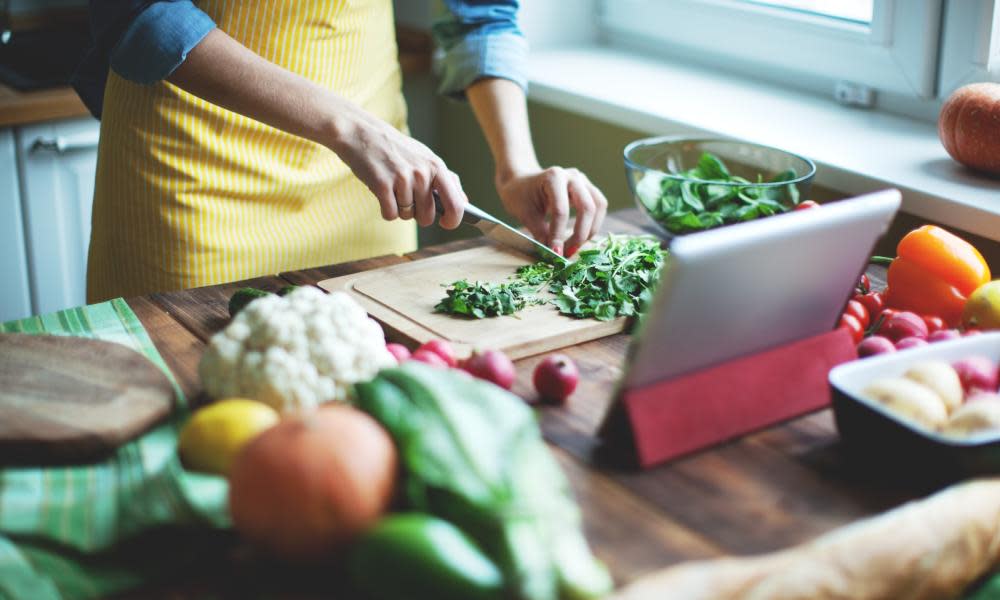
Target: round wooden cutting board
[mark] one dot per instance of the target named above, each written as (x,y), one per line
(66,400)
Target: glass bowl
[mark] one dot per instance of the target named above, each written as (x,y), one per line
(685,185)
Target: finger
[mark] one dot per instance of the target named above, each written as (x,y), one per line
(453,199)
(558,209)
(386,197)
(579,197)
(403,192)
(423,198)
(602,208)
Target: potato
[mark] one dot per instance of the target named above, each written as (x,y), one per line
(909,399)
(975,417)
(940,377)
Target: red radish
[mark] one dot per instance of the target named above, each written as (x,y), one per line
(943,335)
(806,205)
(556,377)
(969,332)
(910,342)
(432,358)
(399,351)
(875,344)
(903,325)
(493,366)
(977,373)
(442,349)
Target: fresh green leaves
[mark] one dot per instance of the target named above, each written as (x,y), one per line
(480,300)
(613,279)
(472,454)
(535,274)
(709,196)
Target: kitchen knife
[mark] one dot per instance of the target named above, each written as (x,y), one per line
(504,234)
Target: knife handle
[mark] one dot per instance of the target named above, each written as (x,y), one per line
(471,216)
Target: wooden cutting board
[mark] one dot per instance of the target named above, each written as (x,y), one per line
(69,400)
(402,297)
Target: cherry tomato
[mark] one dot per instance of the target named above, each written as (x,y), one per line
(874,302)
(859,311)
(852,325)
(933,323)
(806,205)
(864,284)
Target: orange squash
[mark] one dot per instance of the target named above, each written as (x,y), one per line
(969,126)
(313,482)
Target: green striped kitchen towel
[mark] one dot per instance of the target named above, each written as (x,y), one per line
(65,532)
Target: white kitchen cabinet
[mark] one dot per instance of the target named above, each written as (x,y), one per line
(15,297)
(56,162)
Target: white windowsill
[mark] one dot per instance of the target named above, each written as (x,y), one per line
(855,150)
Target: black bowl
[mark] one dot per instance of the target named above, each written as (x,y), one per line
(876,437)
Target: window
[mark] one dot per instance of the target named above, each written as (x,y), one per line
(858,11)
(908,52)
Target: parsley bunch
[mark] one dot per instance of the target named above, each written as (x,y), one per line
(481,300)
(615,279)
(705,196)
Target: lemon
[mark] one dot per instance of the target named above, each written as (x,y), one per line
(982,308)
(214,434)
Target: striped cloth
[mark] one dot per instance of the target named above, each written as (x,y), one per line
(61,529)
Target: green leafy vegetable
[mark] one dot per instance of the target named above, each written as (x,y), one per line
(614,279)
(705,196)
(535,274)
(472,454)
(481,300)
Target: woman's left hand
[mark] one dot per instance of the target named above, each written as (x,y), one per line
(541,200)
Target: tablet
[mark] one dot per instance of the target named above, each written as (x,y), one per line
(740,289)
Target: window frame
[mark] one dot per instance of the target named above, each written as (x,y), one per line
(968,58)
(897,54)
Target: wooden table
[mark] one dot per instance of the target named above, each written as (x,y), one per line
(763,492)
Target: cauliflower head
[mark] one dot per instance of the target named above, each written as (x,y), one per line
(295,352)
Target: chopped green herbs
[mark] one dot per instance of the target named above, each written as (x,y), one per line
(535,274)
(480,300)
(613,279)
(710,198)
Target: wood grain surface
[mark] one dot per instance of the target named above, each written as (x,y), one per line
(402,298)
(68,400)
(762,492)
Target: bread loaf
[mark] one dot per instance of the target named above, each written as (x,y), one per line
(931,549)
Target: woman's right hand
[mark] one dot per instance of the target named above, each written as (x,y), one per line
(402,172)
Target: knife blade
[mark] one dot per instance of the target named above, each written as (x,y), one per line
(504,234)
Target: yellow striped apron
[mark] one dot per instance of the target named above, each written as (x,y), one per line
(189,194)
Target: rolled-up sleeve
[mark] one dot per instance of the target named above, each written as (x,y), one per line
(159,39)
(479,39)
(142,40)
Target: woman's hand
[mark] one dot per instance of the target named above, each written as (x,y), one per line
(401,172)
(541,200)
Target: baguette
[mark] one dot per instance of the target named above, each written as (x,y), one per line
(930,549)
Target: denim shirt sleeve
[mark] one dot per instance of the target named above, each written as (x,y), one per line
(479,38)
(142,40)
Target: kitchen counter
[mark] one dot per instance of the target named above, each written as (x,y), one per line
(21,108)
(765,491)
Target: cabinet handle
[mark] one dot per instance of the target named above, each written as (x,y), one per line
(62,144)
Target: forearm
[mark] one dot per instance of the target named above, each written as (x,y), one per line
(222,71)
(501,110)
